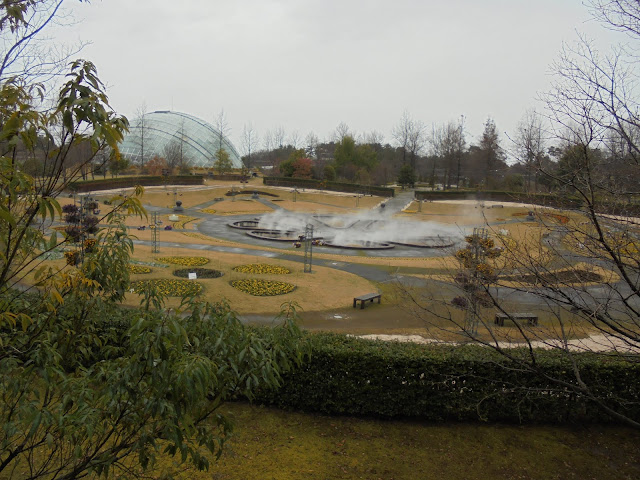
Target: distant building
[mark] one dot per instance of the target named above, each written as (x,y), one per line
(162,130)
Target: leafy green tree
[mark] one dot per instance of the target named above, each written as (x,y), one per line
(492,153)
(286,168)
(117,163)
(329,173)
(349,157)
(222,162)
(513,183)
(297,165)
(407,176)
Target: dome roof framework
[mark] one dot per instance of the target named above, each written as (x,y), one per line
(199,140)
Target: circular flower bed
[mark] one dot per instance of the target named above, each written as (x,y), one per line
(262,288)
(169,288)
(186,261)
(200,272)
(262,268)
(183,220)
(138,269)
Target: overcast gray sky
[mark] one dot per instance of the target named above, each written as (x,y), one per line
(307,65)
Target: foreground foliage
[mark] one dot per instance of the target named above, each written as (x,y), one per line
(87,388)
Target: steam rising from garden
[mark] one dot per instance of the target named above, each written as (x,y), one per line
(373,226)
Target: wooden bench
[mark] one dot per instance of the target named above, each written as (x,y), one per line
(532,319)
(364,298)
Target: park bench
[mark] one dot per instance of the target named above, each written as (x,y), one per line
(532,319)
(364,298)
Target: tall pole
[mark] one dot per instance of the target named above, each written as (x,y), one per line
(154,233)
(308,248)
(478,251)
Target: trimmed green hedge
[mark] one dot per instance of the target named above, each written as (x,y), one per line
(332,186)
(614,206)
(234,177)
(550,200)
(127,182)
(351,376)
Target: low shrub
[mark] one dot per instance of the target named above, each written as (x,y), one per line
(331,186)
(200,272)
(127,182)
(351,376)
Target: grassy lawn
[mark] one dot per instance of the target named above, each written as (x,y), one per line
(273,444)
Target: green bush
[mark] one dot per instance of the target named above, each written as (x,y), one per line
(331,186)
(126,182)
(352,376)
(546,199)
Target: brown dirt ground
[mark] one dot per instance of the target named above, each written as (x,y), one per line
(323,289)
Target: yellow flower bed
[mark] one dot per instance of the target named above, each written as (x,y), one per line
(507,241)
(186,261)
(197,235)
(138,269)
(262,268)
(210,211)
(169,288)
(262,288)
(183,220)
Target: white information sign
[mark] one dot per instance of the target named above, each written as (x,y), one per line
(192,275)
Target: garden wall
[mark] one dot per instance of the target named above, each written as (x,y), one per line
(127,182)
(351,376)
(331,186)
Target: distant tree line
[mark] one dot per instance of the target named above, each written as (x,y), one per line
(441,158)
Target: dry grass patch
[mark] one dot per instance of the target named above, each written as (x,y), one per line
(273,444)
(301,206)
(461,214)
(241,206)
(188,197)
(344,200)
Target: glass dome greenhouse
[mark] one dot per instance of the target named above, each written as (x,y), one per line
(159,132)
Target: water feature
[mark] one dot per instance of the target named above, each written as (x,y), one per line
(371,230)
